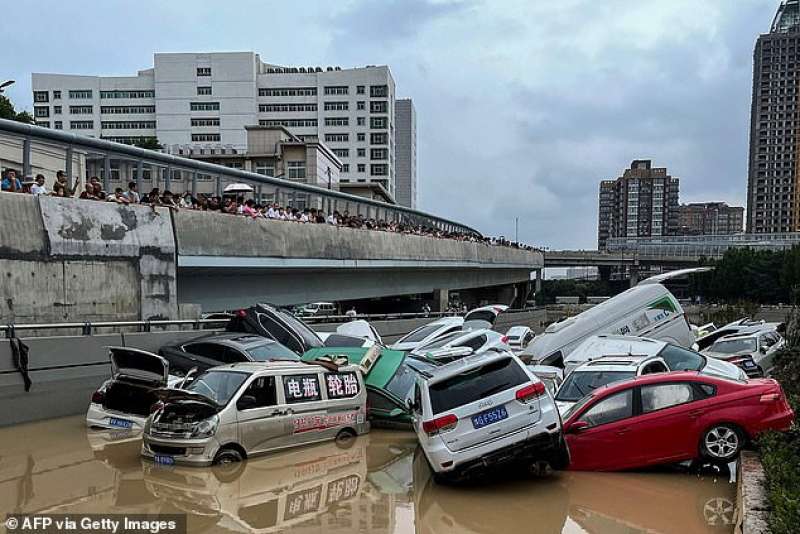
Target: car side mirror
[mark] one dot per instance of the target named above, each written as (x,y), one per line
(397,412)
(577,427)
(763,350)
(246,402)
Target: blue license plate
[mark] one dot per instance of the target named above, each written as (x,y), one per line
(121,423)
(489,416)
(163,460)
(749,364)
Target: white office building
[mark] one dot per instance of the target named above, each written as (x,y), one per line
(206,100)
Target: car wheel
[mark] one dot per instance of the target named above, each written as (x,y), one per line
(722,443)
(719,512)
(560,459)
(228,464)
(345,438)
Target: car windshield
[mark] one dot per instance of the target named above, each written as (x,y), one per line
(476,384)
(731,346)
(271,351)
(218,386)
(420,333)
(403,380)
(680,359)
(442,341)
(580,383)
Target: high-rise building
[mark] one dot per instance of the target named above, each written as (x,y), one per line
(205,100)
(405,118)
(773,190)
(710,218)
(643,202)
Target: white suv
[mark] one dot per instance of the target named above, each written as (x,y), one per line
(485,410)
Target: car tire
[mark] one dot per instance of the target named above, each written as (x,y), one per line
(228,464)
(345,439)
(560,459)
(722,443)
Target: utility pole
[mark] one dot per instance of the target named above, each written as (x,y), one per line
(516,229)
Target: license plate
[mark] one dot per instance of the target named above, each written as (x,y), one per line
(163,460)
(121,423)
(489,416)
(749,364)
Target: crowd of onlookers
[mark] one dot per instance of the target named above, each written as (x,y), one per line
(231,204)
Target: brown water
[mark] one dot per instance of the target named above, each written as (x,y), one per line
(378,484)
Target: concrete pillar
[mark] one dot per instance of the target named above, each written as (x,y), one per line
(634,274)
(106,172)
(26,159)
(68,168)
(168,179)
(441,299)
(538,287)
(194,184)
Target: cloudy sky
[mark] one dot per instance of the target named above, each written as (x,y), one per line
(522,106)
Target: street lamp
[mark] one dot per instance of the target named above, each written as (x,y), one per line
(4,85)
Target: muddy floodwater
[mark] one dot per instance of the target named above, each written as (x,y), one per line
(378,483)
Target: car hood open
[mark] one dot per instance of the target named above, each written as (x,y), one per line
(168,395)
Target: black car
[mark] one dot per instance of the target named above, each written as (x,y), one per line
(271,322)
(218,349)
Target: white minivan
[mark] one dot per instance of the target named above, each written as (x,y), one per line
(648,310)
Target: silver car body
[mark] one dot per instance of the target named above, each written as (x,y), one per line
(479,340)
(482,317)
(761,345)
(519,337)
(264,408)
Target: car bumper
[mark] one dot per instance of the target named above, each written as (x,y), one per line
(779,422)
(99,417)
(197,452)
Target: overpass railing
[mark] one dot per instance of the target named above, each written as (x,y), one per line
(695,247)
(174,168)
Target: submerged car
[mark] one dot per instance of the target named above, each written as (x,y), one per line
(483,317)
(124,401)
(236,411)
(479,340)
(753,352)
(389,381)
(671,417)
(519,337)
(482,411)
(357,333)
(273,323)
(218,349)
(741,326)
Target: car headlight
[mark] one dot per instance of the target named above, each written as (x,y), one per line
(205,428)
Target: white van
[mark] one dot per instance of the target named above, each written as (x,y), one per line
(645,310)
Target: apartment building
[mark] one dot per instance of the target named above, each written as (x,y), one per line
(710,218)
(207,99)
(643,202)
(405,117)
(773,185)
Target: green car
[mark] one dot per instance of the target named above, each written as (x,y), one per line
(389,382)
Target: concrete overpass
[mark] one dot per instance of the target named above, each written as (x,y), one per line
(67,259)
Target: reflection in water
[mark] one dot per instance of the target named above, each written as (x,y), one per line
(378,483)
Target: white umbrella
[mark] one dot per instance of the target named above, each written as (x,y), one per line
(238,188)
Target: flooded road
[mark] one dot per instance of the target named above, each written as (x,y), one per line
(378,484)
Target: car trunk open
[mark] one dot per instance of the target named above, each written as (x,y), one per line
(136,375)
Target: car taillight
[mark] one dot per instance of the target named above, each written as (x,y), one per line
(440,424)
(504,339)
(531,391)
(241,313)
(156,406)
(770,397)
(98,397)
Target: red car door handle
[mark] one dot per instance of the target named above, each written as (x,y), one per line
(622,431)
(694,414)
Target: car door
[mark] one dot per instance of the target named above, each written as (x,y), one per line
(305,406)
(603,445)
(262,425)
(662,431)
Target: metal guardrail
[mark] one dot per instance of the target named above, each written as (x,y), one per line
(292,191)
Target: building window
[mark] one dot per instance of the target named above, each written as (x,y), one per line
(361,105)
(337,138)
(56,95)
(360,89)
(342,152)
(126,110)
(361,136)
(378,106)
(132,140)
(362,153)
(267,169)
(204,90)
(287,91)
(205,137)
(204,106)
(296,170)
(361,121)
(56,110)
(204,71)
(290,123)
(277,108)
(378,123)
(58,125)
(378,91)
(81,125)
(128,125)
(206,122)
(379,153)
(81,93)
(336,89)
(345,167)
(362,167)
(43,124)
(379,169)
(127,93)
(379,139)
(41,111)
(337,121)
(41,96)
(81,110)
(337,106)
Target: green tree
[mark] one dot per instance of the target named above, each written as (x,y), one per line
(150,143)
(7,111)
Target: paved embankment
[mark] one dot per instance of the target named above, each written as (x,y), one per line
(751,496)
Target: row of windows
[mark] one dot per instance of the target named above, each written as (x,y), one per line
(126,93)
(287,91)
(81,110)
(129,140)
(81,125)
(374,153)
(205,137)
(337,138)
(204,90)
(206,122)
(289,123)
(124,110)
(204,106)
(375,170)
(337,121)
(128,125)
(268,108)
(80,93)
(337,106)
(204,71)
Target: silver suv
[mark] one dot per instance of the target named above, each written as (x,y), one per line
(485,410)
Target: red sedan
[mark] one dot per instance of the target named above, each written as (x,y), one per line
(671,417)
